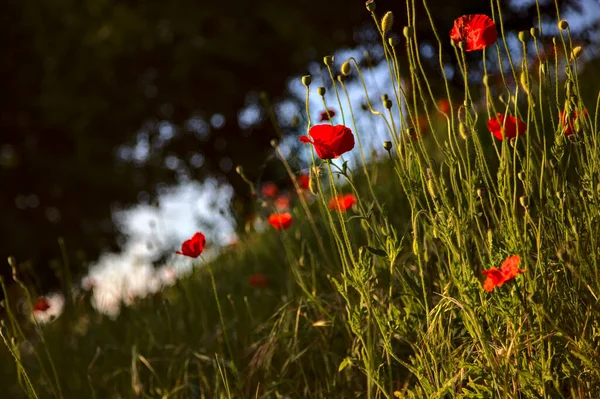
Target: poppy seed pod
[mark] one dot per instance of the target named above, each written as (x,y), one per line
(328,60)
(387,145)
(306,80)
(384,98)
(346,68)
(563,24)
(407,31)
(370,5)
(321,90)
(393,41)
(387,22)
(387,104)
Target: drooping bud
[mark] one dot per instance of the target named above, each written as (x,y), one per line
(533,32)
(306,80)
(239,170)
(328,60)
(524,200)
(521,175)
(273,143)
(387,22)
(370,5)
(523,36)
(321,90)
(384,98)
(463,130)
(576,53)
(407,31)
(393,41)
(387,145)
(387,104)
(346,68)
(563,24)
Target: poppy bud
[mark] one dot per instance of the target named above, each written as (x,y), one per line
(533,32)
(524,200)
(524,82)
(328,60)
(346,68)
(523,36)
(431,188)
(463,130)
(486,80)
(384,98)
(521,175)
(387,145)
(273,143)
(306,80)
(576,53)
(386,22)
(370,5)
(387,104)
(393,41)
(407,31)
(563,24)
(341,78)
(239,170)
(481,192)
(467,103)
(321,90)
(313,177)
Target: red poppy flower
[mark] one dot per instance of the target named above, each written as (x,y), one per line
(476,31)
(324,117)
(282,202)
(280,221)
(342,203)
(569,126)
(258,280)
(513,127)
(41,305)
(194,246)
(303,181)
(269,190)
(509,269)
(330,141)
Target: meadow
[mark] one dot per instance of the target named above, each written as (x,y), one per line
(464,263)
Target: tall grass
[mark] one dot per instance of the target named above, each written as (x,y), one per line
(385,300)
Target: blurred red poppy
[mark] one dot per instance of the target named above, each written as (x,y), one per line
(330,141)
(509,269)
(194,246)
(444,105)
(475,31)
(513,127)
(269,190)
(258,280)
(303,181)
(570,125)
(280,221)
(282,202)
(41,305)
(324,117)
(342,203)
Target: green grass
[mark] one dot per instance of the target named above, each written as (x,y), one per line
(385,300)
